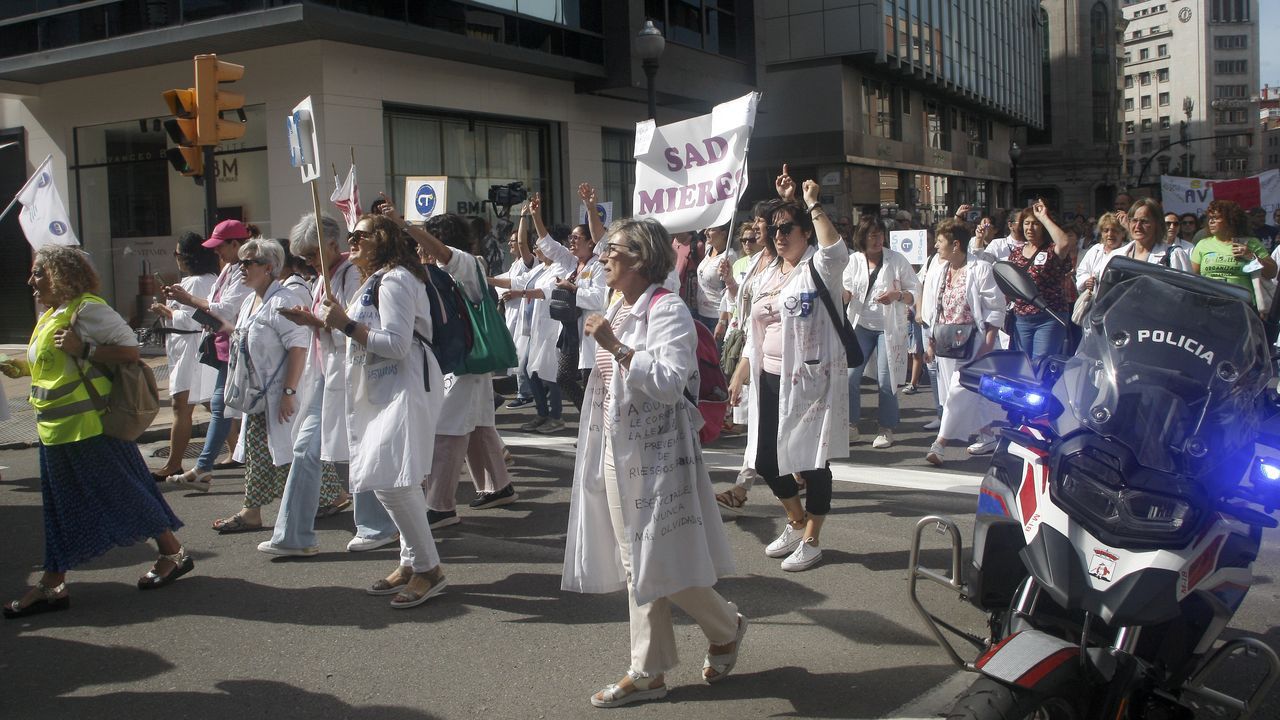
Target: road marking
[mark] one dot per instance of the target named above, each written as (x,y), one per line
(731,460)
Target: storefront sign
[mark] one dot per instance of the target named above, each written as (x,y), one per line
(425,197)
(1193,195)
(690,174)
(914,244)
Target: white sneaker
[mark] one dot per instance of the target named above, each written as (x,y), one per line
(933,424)
(266,547)
(883,440)
(786,542)
(360,544)
(936,455)
(985,445)
(806,555)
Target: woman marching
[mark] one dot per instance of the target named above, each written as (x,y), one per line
(640,517)
(96,489)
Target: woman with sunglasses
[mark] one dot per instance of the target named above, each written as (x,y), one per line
(274,350)
(880,285)
(395,392)
(795,368)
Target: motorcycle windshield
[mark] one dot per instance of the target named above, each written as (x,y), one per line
(1171,374)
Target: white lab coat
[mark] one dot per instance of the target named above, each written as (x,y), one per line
(668,503)
(511,310)
(896,273)
(592,295)
(327,358)
(536,332)
(468,399)
(391,417)
(983,295)
(186,372)
(813,398)
(270,337)
(1178,258)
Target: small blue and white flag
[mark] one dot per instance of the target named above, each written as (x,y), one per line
(43,216)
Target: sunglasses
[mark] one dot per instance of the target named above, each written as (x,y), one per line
(252,261)
(785,228)
(359,235)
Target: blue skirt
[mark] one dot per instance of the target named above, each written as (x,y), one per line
(98,494)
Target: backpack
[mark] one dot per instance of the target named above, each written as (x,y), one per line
(134,400)
(451,335)
(713,389)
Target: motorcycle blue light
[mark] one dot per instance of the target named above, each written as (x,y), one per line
(1013,395)
(1269,471)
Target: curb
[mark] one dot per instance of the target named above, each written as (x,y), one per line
(155,433)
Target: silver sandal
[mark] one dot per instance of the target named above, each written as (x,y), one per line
(615,696)
(723,664)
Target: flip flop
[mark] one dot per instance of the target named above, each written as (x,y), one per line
(234,524)
(333,508)
(730,502)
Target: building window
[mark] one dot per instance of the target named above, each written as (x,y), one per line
(1230,91)
(1163,160)
(1164,99)
(1128,104)
(1146,124)
(936,129)
(1162,50)
(1146,78)
(975,132)
(1230,117)
(1146,146)
(1103,72)
(1228,11)
(1144,54)
(1231,42)
(882,117)
(1231,67)
(1162,75)
(1146,102)
(1128,127)
(1164,122)
(709,25)
(1232,165)
(1128,81)
(617,156)
(1044,134)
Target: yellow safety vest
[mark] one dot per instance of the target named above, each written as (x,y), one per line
(64,411)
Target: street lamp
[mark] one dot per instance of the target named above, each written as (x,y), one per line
(649,45)
(1015,152)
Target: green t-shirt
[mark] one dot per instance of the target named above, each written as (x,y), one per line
(1217,261)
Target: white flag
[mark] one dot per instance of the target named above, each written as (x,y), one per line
(43,216)
(347,197)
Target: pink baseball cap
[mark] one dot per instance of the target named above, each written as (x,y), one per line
(225,231)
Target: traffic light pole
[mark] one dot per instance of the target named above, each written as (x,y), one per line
(210,191)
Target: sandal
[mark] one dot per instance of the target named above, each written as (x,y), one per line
(408,598)
(723,664)
(182,564)
(729,500)
(234,524)
(615,696)
(46,603)
(391,584)
(333,508)
(193,478)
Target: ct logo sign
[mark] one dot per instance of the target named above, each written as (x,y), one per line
(58,228)
(425,201)
(425,196)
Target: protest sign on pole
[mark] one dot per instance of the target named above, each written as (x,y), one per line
(425,197)
(690,174)
(1193,195)
(914,244)
(604,211)
(304,154)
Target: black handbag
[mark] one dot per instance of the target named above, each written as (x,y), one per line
(209,352)
(953,340)
(563,306)
(839,319)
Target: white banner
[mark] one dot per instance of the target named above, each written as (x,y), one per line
(1193,195)
(912,243)
(425,197)
(43,216)
(690,174)
(604,211)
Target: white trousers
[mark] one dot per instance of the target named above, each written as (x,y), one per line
(408,510)
(653,638)
(963,412)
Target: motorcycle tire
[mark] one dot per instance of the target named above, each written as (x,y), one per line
(988,699)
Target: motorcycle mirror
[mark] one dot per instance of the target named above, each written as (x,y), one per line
(1016,283)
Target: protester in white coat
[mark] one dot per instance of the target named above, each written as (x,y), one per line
(795,366)
(276,354)
(590,295)
(389,408)
(467,418)
(959,290)
(190,381)
(642,512)
(522,261)
(880,285)
(1149,243)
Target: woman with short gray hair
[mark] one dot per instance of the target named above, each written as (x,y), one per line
(274,352)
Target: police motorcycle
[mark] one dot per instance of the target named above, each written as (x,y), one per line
(1118,523)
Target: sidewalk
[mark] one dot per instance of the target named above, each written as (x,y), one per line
(19,431)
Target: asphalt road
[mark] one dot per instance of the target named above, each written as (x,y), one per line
(248,636)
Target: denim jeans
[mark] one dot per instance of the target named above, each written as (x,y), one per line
(371,518)
(522,386)
(873,341)
(219,426)
(546,397)
(296,519)
(1039,335)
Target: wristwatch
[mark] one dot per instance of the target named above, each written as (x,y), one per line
(349,328)
(622,352)
(290,392)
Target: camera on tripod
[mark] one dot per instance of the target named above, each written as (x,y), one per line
(502,197)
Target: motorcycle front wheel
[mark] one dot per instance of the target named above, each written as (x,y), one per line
(988,699)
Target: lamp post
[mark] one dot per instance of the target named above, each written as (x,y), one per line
(1015,152)
(649,45)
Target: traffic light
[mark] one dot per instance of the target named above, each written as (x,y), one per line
(187,157)
(212,102)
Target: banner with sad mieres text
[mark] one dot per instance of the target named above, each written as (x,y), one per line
(690,174)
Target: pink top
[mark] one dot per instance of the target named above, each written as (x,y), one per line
(955,301)
(766,317)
